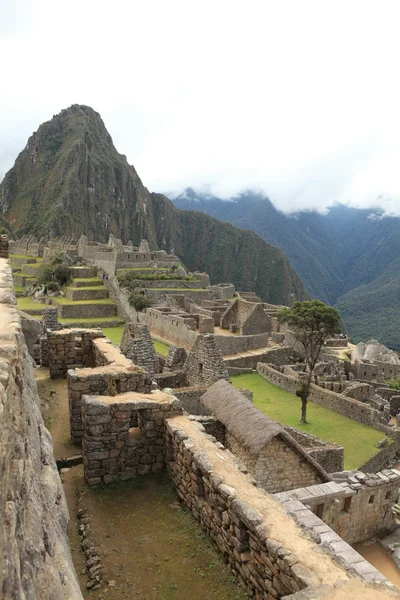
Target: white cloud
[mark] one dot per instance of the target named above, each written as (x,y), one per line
(299,99)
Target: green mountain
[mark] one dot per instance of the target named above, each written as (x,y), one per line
(70,180)
(348,257)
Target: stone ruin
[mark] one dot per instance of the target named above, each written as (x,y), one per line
(137,345)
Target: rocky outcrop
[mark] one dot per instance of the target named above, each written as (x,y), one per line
(35,560)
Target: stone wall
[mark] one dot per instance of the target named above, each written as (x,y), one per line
(113,449)
(337,402)
(190,398)
(261,542)
(357,508)
(205,365)
(84,311)
(171,379)
(171,327)
(70,348)
(35,560)
(381,460)
(327,454)
(234,344)
(280,468)
(112,374)
(379,371)
(4,245)
(137,345)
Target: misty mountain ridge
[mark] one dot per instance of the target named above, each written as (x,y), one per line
(70,180)
(348,257)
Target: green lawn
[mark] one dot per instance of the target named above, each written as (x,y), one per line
(26,303)
(114,334)
(76,322)
(161,347)
(92,287)
(359,441)
(94,280)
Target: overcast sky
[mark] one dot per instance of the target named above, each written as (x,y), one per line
(300,99)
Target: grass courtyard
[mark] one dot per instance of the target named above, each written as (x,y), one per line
(359,441)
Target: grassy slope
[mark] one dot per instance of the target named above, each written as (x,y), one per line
(358,440)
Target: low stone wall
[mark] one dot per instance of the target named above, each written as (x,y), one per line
(159,295)
(261,543)
(329,455)
(170,380)
(381,460)
(233,344)
(84,311)
(337,402)
(70,348)
(190,398)
(211,427)
(83,293)
(358,508)
(35,559)
(113,450)
(180,284)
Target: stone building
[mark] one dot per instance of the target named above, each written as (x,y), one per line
(137,345)
(275,459)
(205,364)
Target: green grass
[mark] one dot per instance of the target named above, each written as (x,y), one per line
(19,289)
(114,333)
(91,320)
(141,269)
(60,300)
(26,303)
(94,280)
(161,348)
(359,441)
(92,287)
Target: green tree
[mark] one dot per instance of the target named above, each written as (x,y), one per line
(139,301)
(312,322)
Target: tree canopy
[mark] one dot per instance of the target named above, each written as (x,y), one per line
(312,322)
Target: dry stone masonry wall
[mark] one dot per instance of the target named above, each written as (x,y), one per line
(262,544)
(112,374)
(124,435)
(35,560)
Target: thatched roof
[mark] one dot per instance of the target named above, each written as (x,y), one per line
(248,424)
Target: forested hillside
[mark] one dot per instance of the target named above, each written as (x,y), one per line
(348,257)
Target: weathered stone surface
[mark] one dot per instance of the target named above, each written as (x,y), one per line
(34,548)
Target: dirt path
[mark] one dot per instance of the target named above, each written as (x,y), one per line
(53,394)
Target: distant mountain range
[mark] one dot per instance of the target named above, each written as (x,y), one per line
(348,257)
(70,180)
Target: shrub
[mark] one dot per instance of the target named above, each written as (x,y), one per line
(139,302)
(62,275)
(45,274)
(394,384)
(53,286)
